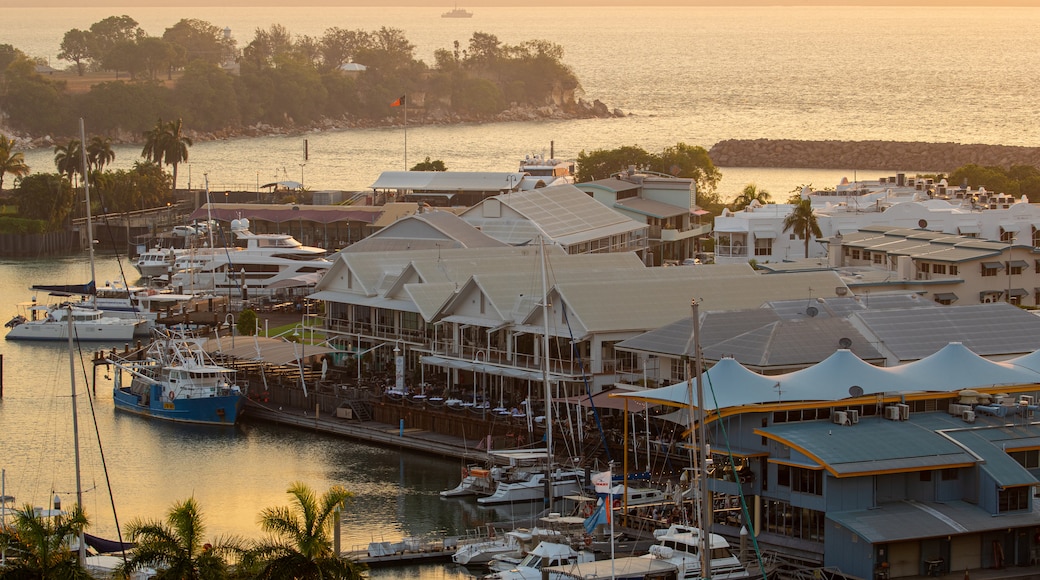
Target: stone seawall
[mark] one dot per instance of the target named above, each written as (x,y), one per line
(883,155)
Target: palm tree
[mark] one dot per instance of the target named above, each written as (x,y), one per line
(99,152)
(68,159)
(12,162)
(176,147)
(802,222)
(301,548)
(37,548)
(749,194)
(176,547)
(165,144)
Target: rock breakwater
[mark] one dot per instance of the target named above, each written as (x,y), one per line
(883,155)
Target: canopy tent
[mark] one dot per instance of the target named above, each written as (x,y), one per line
(304,279)
(603,400)
(843,375)
(284,184)
(269,350)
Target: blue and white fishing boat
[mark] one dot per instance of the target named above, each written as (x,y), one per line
(176,380)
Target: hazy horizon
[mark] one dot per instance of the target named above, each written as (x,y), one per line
(514,4)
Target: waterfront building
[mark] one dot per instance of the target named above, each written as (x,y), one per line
(757,232)
(944,268)
(476,313)
(562,215)
(923,468)
(666,204)
(443,188)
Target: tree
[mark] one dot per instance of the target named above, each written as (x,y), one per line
(300,547)
(693,161)
(339,46)
(41,544)
(68,159)
(166,144)
(99,153)
(113,31)
(199,40)
(427,165)
(802,223)
(12,161)
(602,163)
(76,48)
(177,546)
(44,196)
(749,194)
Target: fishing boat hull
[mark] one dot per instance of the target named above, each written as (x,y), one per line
(218,410)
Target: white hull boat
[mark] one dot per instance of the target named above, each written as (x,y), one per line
(51,323)
(564,482)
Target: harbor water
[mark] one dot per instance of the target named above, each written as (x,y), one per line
(233,473)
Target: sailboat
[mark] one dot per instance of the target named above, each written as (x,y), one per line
(82,319)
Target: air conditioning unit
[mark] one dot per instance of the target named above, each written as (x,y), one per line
(957,408)
(892,413)
(1026,399)
(968,416)
(840,418)
(853,416)
(904,411)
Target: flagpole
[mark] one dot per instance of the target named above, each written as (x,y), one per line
(405,134)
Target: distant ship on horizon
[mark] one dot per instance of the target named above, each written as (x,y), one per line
(457,12)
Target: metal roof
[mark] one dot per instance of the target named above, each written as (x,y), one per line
(793,343)
(894,446)
(447,181)
(986,329)
(914,520)
(428,230)
(651,207)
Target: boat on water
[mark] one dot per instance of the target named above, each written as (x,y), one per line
(51,322)
(257,265)
(531,485)
(540,171)
(544,555)
(157,261)
(457,12)
(681,545)
(177,381)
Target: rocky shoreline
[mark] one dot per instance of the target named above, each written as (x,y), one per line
(882,155)
(579,109)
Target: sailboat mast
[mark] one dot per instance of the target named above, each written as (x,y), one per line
(75,428)
(86,193)
(545,377)
(702,447)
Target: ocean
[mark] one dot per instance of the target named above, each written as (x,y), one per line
(695,75)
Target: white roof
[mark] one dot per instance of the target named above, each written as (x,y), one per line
(447,181)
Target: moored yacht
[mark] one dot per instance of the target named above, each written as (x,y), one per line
(51,322)
(257,265)
(681,545)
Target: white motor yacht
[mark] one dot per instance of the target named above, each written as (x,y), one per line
(51,322)
(258,264)
(681,545)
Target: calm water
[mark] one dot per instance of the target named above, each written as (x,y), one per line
(691,74)
(233,473)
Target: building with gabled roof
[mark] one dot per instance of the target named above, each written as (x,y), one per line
(561,215)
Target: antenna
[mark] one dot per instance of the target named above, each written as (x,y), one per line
(812,311)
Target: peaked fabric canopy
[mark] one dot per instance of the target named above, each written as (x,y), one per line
(843,375)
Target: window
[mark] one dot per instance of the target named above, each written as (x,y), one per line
(855,254)
(953,270)
(781,517)
(783,475)
(1013,499)
(1014,268)
(988,271)
(925,476)
(763,246)
(1028,459)
(877,257)
(1036,238)
(866,254)
(938,268)
(1006,237)
(807,480)
(949,474)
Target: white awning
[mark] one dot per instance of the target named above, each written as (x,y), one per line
(487,368)
(765,235)
(968,229)
(1010,227)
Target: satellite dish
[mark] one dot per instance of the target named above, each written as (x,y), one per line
(845,342)
(856,391)
(812,311)
(922,223)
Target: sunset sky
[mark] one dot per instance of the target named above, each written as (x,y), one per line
(504,3)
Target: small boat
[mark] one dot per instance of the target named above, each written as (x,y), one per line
(530,486)
(681,545)
(544,555)
(51,322)
(630,568)
(156,261)
(457,12)
(175,380)
(541,172)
